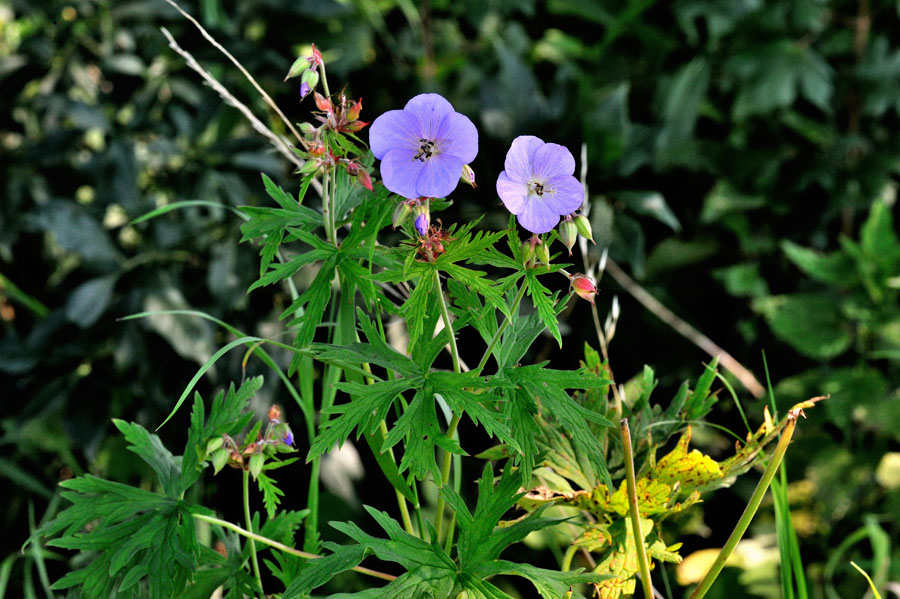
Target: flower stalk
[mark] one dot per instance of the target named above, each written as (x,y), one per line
(631,485)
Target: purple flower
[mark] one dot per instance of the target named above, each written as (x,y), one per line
(304,89)
(423,147)
(288,438)
(537,185)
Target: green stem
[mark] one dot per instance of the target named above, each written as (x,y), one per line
(401,501)
(324,79)
(496,338)
(249,524)
(445,478)
(567,558)
(290,550)
(753,505)
(445,315)
(643,561)
(454,422)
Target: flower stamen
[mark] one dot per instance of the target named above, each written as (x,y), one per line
(425,150)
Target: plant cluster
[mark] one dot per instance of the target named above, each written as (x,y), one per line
(554,431)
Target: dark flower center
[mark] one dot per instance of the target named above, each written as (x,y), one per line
(536,188)
(426,149)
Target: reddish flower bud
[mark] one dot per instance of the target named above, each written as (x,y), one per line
(583,287)
(316,56)
(275,413)
(323,103)
(354,110)
(365,180)
(355,126)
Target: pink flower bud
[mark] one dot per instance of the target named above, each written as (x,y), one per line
(322,103)
(583,287)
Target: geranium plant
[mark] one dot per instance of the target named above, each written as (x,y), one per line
(564,455)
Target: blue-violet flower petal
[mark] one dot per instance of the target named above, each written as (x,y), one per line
(537,185)
(423,147)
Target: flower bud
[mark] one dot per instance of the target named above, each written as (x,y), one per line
(308,81)
(220,458)
(568,234)
(354,126)
(322,103)
(284,434)
(364,179)
(468,176)
(543,252)
(527,251)
(422,223)
(214,444)
(308,130)
(354,110)
(583,287)
(401,213)
(274,414)
(298,67)
(584,227)
(256,464)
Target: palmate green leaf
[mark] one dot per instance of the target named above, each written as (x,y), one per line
(368,406)
(545,387)
(419,427)
(136,534)
(551,584)
(520,336)
(320,571)
(265,221)
(476,397)
(467,303)
(284,270)
(480,538)
(418,583)
(149,448)
(544,303)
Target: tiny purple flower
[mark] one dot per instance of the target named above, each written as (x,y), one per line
(423,147)
(537,185)
(304,89)
(288,438)
(422,224)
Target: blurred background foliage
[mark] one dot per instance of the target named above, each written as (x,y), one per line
(743,165)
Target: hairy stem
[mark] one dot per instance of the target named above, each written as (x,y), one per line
(249,524)
(282,547)
(643,561)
